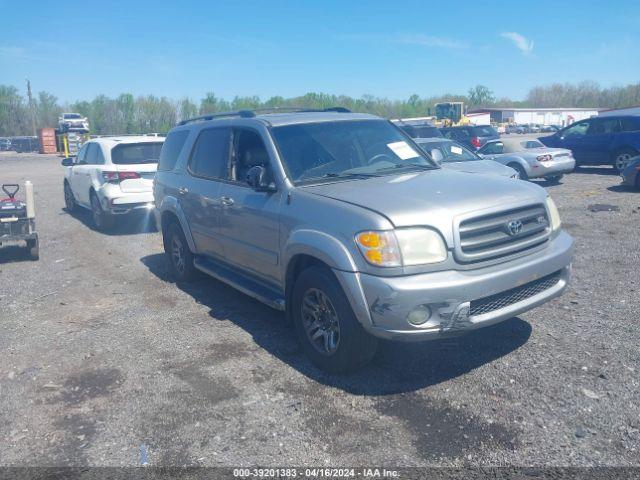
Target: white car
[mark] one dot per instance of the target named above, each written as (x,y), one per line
(73,122)
(112,176)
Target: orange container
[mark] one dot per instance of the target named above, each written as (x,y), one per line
(47,140)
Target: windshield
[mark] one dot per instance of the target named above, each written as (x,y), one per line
(72,115)
(136,153)
(485,131)
(313,151)
(449,152)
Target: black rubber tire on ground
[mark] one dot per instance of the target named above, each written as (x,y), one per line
(34,249)
(518,168)
(355,347)
(621,158)
(554,179)
(176,246)
(102,221)
(69,199)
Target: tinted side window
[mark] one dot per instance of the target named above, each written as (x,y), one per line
(495,148)
(91,156)
(630,124)
(99,156)
(210,154)
(249,151)
(82,153)
(171,149)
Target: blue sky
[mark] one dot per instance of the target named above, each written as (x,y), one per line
(392,49)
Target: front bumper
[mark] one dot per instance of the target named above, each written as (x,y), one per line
(548,169)
(382,304)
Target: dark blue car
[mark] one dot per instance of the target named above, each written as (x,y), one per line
(600,140)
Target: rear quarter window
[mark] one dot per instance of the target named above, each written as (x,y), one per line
(171,149)
(485,131)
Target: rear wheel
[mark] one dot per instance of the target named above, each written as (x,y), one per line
(622,157)
(69,199)
(326,326)
(554,179)
(34,249)
(518,168)
(180,257)
(101,220)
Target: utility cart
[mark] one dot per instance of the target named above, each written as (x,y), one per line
(17,219)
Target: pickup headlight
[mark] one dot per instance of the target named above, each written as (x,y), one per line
(554,215)
(402,247)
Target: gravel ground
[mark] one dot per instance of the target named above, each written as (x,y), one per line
(106,362)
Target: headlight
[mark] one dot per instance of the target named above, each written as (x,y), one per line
(554,215)
(402,247)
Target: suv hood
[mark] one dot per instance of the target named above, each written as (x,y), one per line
(433,197)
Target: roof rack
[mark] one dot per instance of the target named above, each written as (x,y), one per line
(252,113)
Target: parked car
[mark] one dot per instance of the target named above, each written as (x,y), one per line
(600,140)
(341,220)
(473,136)
(73,122)
(25,144)
(549,128)
(520,129)
(418,128)
(530,158)
(631,174)
(112,177)
(455,156)
(533,128)
(5,144)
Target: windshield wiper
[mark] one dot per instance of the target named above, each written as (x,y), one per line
(407,165)
(349,175)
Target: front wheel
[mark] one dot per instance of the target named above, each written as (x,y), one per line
(34,249)
(327,328)
(69,199)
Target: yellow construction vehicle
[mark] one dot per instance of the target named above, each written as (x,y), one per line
(451,114)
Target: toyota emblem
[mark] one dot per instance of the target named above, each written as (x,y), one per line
(514,227)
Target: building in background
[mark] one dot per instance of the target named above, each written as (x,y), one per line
(479,118)
(541,116)
(621,111)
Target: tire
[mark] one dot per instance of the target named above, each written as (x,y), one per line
(621,158)
(34,249)
(179,255)
(340,344)
(102,221)
(518,168)
(554,178)
(69,199)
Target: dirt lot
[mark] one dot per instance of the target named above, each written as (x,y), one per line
(107,362)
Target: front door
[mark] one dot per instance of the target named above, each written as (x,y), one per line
(249,220)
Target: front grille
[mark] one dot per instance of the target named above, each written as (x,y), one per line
(514,295)
(503,233)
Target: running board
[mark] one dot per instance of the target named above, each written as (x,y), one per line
(241,282)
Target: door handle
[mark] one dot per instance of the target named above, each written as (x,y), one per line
(183,190)
(226,201)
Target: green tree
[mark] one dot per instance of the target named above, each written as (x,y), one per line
(481,95)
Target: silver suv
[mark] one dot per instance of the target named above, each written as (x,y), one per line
(343,222)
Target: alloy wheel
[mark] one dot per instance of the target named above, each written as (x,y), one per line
(622,160)
(320,321)
(178,254)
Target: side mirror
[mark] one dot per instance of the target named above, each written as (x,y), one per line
(257,179)
(67,162)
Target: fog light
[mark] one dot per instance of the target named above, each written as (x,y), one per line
(419,315)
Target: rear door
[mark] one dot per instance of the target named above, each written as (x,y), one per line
(76,172)
(83,173)
(600,137)
(249,220)
(199,195)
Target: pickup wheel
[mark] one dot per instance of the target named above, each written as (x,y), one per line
(34,249)
(622,157)
(180,257)
(326,326)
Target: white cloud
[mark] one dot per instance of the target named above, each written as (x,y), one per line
(520,41)
(430,41)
